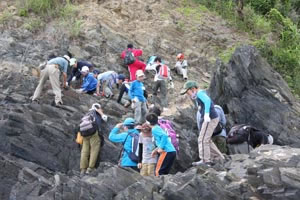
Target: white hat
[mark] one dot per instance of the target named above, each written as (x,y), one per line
(67,57)
(96,106)
(139,73)
(85,69)
(73,61)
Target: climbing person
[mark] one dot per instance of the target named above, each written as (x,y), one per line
(107,81)
(219,135)
(90,129)
(52,70)
(165,149)
(167,126)
(130,57)
(96,72)
(129,139)
(181,66)
(89,82)
(161,79)
(124,86)
(208,119)
(146,162)
(76,69)
(244,138)
(136,94)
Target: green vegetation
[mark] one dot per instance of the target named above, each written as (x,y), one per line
(274,33)
(33,24)
(5,17)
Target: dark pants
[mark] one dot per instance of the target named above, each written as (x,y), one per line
(75,72)
(164,163)
(91,92)
(162,84)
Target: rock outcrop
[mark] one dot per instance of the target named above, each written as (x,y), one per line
(251,92)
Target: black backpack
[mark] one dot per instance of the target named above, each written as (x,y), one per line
(129,58)
(239,134)
(88,125)
(218,129)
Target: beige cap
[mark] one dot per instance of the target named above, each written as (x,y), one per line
(139,73)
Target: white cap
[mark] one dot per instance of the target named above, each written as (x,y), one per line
(67,57)
(73,61)
(139,73)
(85,69)
(95,105)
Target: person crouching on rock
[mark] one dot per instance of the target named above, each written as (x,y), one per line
(208,121)
(165,149)
(89,82)
(124,86)
(107,81)
(91,140)
(146,146)
(129,139)
(52,70)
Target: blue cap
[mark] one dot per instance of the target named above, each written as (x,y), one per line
(96,71)
(121,77)
(128,122)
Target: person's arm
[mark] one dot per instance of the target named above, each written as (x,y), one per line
(117,137)
(163,137)
(222,118)
(122,90)
(65,79)
(131,89)
(140,152)
(98,88)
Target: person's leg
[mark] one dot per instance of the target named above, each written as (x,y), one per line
(206,140)
(156,87)
(144,170)
(44,76)
(144,112)
(85,153)
(220,142)
(166,163)
(184,73)
(95,148)
(125,99)
(164,93)
(54,80)
(151,169)
(138,112)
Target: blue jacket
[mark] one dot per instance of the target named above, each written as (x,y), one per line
(162,139)
(137,90)
(89,83)
(114,136)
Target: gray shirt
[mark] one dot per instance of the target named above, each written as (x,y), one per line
(148,147)
(63,63)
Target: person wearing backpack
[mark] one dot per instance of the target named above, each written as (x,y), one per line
(146,145)
(52,71)
(219,135)
(76,69)
(90,128)
(129,139)
(89,82)
(181,66)
(138,99)
(244,138)
(208,120)
(163,75)
(123,98)
(107,81)
(167,126)
(165,149)
(130,57)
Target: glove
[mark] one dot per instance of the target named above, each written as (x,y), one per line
(74,79)
(79,91)
(104,117)
(206,117)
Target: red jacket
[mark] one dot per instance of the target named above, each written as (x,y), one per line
(136,65)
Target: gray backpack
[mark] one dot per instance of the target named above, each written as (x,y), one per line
(88,125)
(129,58)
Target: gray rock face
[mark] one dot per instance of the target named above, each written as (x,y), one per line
(251,92)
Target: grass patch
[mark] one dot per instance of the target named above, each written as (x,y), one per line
(5,17)
(227,54)
(33,24)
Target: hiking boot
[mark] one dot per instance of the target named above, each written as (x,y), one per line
(56,104)
(35,101)
(82,171)
(89,170)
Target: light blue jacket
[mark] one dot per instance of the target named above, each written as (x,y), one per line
(117,137)
(89,83)
(63,63)
(137,90)
(162,140)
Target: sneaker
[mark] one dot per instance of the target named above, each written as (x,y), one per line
(89,170)
(201,163)
(185,79)
(82,171)
(36,101)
